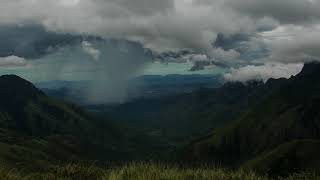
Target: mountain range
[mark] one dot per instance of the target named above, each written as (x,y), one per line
(146,86)
(271,127)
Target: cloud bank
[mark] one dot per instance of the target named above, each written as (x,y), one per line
(227,33)
(159,25)
(263,72)
(164,25)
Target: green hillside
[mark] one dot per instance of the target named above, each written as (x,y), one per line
(35,128)
(190,114)
(288,112)
(288,158)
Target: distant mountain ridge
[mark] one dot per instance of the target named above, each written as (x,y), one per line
(146,86)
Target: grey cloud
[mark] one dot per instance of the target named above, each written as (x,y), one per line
(172,26)
(228,42)
(266,24)
(146,7)
(249,46)
(301,45)
(159,25)
(286,11)
(271,15)
(200,65)
(31,41)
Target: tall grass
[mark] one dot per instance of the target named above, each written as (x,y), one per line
(141,171)
(145,171)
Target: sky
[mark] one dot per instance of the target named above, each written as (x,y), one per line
(111,41)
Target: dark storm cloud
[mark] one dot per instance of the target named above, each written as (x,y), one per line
(174,26)
(31,41)
(159,25)
(230,42)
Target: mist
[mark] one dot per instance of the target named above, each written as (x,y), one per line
(119,62)
(107,66)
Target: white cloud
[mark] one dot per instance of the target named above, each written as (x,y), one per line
(194,58)
(12,61)
(294,44)
(90,50)
(263,72)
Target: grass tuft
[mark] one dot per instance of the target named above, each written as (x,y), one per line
(142,171)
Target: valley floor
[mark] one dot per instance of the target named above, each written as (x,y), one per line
(141,171)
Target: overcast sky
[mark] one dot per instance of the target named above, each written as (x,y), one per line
(247,36)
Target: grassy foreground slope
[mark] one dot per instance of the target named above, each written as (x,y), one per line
(141,171)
